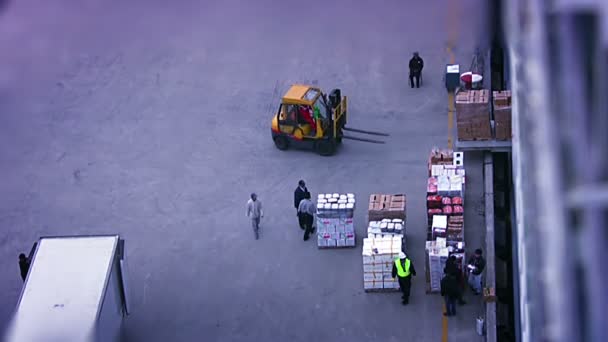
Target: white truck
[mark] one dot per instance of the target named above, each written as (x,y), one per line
(75,291)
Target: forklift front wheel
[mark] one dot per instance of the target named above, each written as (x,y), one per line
(326,147)
(281,143)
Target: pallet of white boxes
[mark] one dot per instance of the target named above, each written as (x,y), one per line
(335,227)
(385,239)
(445,212)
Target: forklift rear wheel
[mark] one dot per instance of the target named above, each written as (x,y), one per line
(281,143)
(326,147)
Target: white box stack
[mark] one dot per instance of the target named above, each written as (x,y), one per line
(437,254)
(379,254)
(335,227)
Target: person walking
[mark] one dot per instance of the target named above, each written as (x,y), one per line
(307,211)
(298,196)
(450,290)
(403,269)
(416,65)
(255,213)
(451,267)
(24,265)
(476,265)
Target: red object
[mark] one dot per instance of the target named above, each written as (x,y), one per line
(446,201)
(457,200)
(458,209)
(432,212)
(306,115)
(447,209)
(433,198)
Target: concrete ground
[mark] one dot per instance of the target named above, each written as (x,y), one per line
(152,120)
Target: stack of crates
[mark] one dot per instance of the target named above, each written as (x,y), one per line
(473,115)
(335,227)
(386,207)
(379,254)
(502,114)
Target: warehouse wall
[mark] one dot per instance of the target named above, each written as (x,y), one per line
(560,153)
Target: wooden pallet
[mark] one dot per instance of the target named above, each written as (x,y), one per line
(475,139)
(381,290)
(335,247)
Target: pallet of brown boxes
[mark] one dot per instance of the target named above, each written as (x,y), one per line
(385,239)
(502,114)
(445,213)
(473,115)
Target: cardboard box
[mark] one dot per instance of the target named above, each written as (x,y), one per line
(331,242)
(350,242)
(368,268)
(321,241)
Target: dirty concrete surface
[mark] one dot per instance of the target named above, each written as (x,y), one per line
(150,119)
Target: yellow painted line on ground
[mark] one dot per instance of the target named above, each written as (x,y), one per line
(453,30)
(444,326)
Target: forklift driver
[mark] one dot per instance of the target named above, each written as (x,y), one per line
(306,116)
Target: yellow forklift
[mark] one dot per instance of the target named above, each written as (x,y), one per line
(310,119)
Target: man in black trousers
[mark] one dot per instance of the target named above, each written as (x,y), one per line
(298,196)
(451,267)
(403,270)
(416,65)
(306,213)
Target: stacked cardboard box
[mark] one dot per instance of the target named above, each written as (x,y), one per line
(386,207)
(440,157)
(445,193)
(473,115)
(502,98)
(445,235)
(387,227)
(335,228)
(502,114)
(437,254)
(378,257)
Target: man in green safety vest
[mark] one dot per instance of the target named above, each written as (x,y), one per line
(403,269)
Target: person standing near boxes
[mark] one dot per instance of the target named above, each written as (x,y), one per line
(403,269)
(298,196)
(450,290)
(255,213)
(476,265)
(451,267)
(306,213)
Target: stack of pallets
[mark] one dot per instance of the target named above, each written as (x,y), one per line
(502,114)
(386,207)
(473,115)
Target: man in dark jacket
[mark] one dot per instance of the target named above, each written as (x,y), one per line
(451,267)
(298,196)
(307,211)
(450,290)
(416,65)
(24,265)
(403,269)
(476,265)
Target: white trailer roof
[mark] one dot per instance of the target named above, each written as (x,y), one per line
(64,289)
